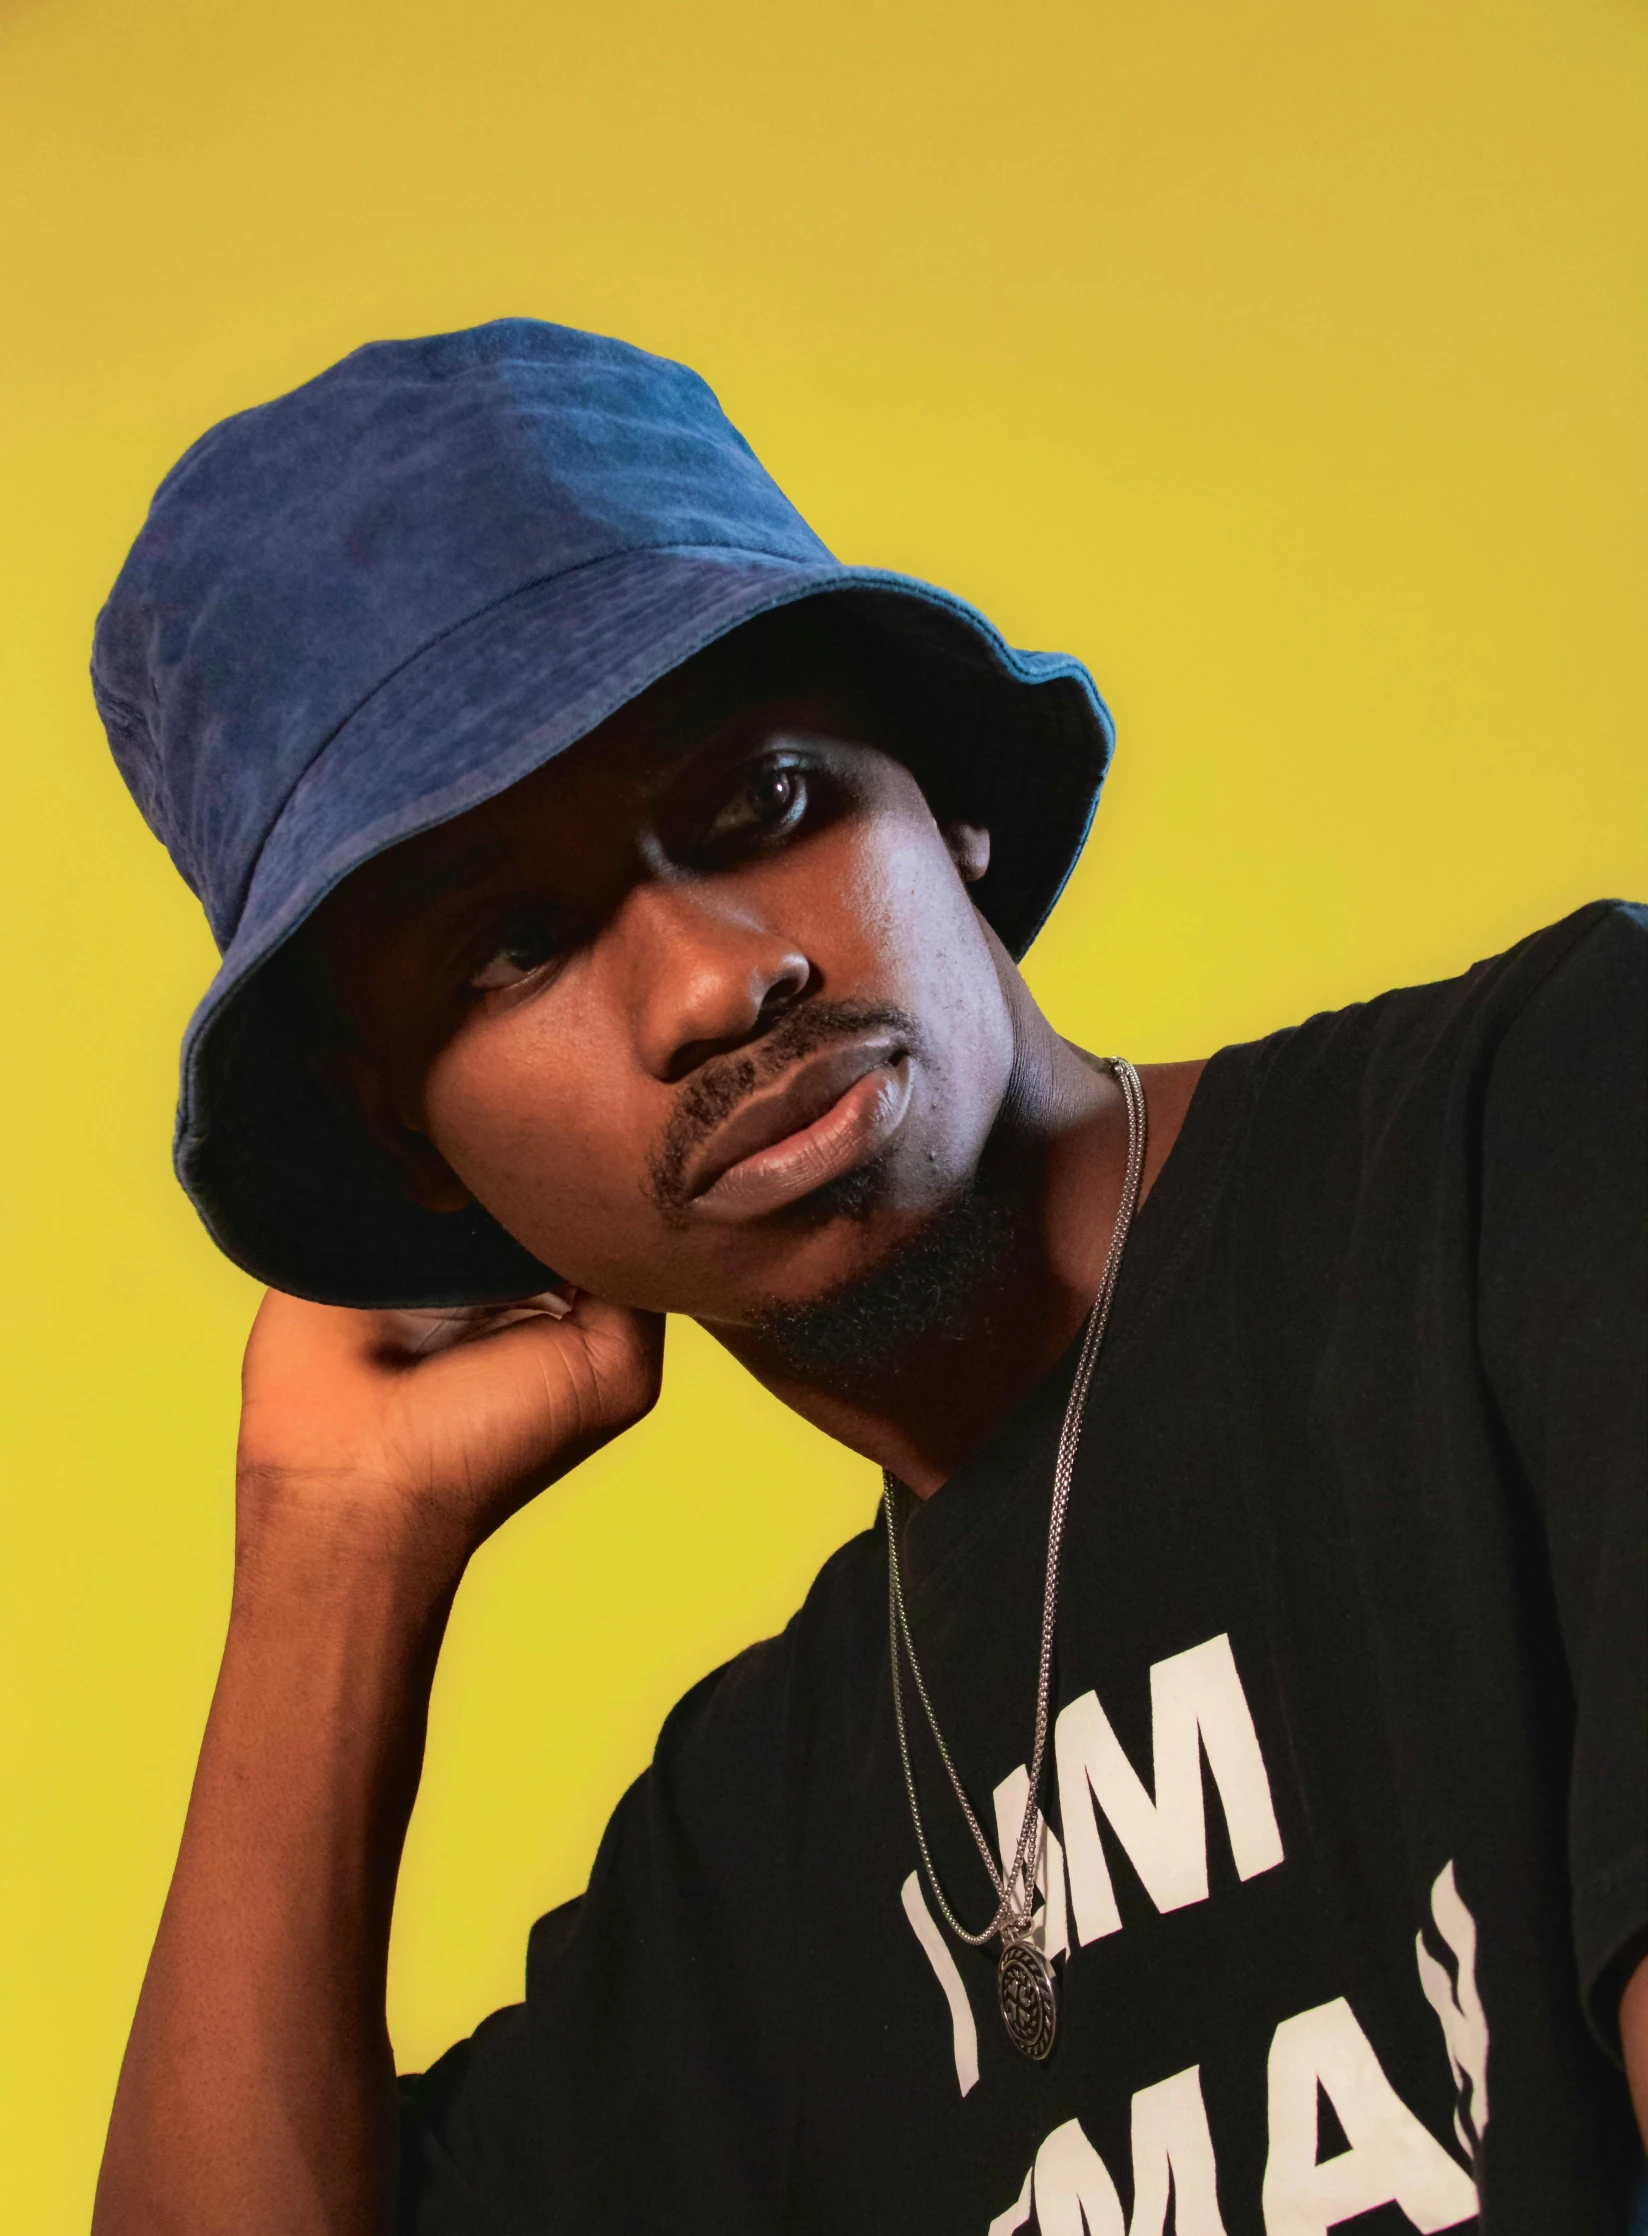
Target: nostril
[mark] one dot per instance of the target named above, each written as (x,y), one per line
(784,992)
(772,1004)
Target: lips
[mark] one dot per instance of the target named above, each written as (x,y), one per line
(829,1113)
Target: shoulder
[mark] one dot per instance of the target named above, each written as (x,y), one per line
(727,1772)
(1584,1023)
(1429,1048)
(1565,1129)
(756,1709)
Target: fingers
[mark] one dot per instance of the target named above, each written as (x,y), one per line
(421,1332)
(618,1328)
(608,1358)
(456,1412)
(397,1334)
(613,1336)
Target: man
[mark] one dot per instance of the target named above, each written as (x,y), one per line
(1214,1801)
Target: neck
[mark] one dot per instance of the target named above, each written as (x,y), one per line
(1019,1262)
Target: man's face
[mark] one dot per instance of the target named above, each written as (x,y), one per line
(701,1012)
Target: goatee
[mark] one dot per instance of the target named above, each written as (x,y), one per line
(941,1286)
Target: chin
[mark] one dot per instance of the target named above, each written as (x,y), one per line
(932,1280)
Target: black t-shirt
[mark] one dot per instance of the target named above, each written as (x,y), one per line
(1347,1807)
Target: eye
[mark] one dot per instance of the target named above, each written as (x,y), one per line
(529,945)
(765,800)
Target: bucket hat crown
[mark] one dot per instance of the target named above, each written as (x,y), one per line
(363,608)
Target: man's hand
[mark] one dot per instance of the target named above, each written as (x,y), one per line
(423,1431)
(377,1450)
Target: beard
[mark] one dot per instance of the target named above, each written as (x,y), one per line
(941,1286)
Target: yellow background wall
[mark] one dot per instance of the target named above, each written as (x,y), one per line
(1287,361)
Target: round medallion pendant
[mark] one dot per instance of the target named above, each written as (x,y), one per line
(1029,2002)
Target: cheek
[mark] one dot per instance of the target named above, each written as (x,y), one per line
(530,1113)
(895,900)
(920,943)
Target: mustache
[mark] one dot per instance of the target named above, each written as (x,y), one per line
(718,1087)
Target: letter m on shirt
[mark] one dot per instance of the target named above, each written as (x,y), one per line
(1197,1706)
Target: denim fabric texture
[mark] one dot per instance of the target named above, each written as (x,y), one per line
(363,608)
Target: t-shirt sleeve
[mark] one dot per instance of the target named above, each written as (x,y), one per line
(1564,1341)
(650,2059)
(464,2127)
(471,2128)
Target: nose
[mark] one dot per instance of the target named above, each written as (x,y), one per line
(705,972)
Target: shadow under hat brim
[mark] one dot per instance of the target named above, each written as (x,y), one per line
(289,1185)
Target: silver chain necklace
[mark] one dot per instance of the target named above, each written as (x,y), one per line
(1024,1979)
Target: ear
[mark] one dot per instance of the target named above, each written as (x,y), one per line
(360,1089)
(969,845)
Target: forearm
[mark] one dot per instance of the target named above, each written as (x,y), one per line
(377,1450)
(257,2092)
(1633,2037)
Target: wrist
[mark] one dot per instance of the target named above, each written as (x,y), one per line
(327,1666)
(304,1556)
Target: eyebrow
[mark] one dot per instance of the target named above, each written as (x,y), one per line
(418,881)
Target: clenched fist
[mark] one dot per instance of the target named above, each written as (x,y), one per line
(417,1433)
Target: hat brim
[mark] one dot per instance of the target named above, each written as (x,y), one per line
(287,1183)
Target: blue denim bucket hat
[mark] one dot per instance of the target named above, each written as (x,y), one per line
(365,607)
